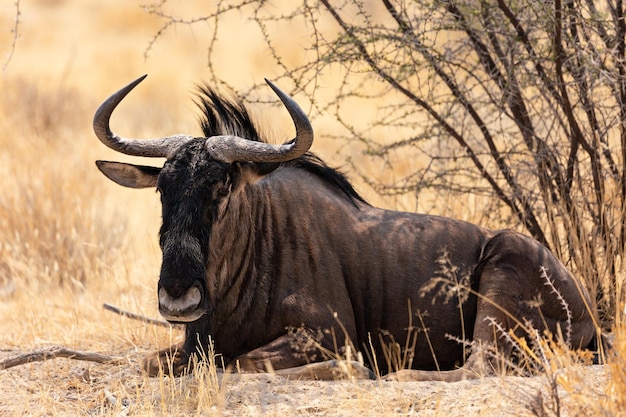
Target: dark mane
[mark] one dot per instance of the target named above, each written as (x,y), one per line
(222,116)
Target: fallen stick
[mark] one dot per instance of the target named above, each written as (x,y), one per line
(141,318)
(58,352)
(63,352)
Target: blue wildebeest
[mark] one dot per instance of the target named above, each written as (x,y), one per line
(273,255)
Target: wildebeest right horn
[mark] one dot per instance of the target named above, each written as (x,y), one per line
(233,148)
(160,147)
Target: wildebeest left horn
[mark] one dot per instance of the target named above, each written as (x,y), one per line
(159,147)
(233,148)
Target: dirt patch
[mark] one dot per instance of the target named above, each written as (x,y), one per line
(67,387)
(495,396)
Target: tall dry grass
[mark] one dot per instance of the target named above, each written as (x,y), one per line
(53,231)
(61,241)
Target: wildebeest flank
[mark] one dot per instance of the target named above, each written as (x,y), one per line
(275,256)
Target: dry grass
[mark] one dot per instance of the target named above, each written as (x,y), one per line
(70,240)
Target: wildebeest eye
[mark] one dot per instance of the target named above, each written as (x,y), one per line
(223,191)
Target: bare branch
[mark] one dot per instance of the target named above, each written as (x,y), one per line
(171,20)
(15,35)
(59,352)
(140,318)
(420,102)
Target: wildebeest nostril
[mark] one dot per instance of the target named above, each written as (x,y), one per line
(183,308)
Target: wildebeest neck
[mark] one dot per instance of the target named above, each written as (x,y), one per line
(269,251)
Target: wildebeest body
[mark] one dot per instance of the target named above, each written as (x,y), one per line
(269,258)
(339,269)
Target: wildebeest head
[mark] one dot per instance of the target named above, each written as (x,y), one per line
(195,184)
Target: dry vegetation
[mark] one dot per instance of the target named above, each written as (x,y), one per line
(71,241)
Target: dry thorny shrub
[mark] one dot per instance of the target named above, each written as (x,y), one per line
(547,355)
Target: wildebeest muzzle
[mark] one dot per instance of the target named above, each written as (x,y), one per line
(182,294)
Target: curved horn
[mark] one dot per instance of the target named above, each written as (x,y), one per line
(159,147)
(233,148)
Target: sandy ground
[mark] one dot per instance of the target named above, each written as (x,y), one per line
(486,397)
(69,387)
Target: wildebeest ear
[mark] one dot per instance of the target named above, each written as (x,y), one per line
(128,175)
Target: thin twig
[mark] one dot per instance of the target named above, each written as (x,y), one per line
(59,352)
(141,318)
(15,35)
